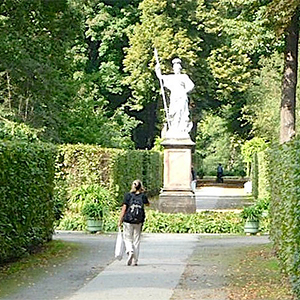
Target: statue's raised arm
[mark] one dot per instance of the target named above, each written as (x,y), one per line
(179,85)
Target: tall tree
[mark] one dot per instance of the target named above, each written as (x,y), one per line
(35,37)
(289,82)
(98,113)
(242,39)
(284,15)
(262,109)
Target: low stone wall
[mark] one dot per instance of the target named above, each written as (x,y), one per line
(228,182)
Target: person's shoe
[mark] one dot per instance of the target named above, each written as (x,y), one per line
(134,262)
(129,259)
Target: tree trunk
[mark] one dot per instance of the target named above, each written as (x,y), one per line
(289,82)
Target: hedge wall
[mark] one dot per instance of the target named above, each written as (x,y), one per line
(254,175)
(26,190)
(259,175)
(263,189)
(112,168)
(284,172)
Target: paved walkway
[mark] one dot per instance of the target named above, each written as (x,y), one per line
(220,198)
(163,260)
(172,267)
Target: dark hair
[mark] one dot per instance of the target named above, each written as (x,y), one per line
(137,186)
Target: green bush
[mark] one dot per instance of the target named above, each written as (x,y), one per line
(254,176)
(204,222)
(92,201)
(283,170)
(114,169)
(136,164)
(157,222)
(259,175)
(263,180)
(27,205)
(79,166)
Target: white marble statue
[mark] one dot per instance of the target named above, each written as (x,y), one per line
(178,113)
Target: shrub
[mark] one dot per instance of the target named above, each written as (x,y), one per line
(263,189)
(26,193)
(284,180)
(204,222)
(80,166)
(254,176)
(92,201)
(114,169)
(251,213)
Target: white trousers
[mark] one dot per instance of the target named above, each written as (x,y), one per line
(132,238)
(193,185)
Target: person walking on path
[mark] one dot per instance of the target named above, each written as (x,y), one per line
(133,216)
(194,179)
(220,174)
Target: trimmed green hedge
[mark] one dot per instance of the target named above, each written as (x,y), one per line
(254,175)
(284,173)
(26,189)
(259,175)
(263,176)
(136,164)
(82,165)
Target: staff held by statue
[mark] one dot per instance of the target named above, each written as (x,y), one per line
(162,89)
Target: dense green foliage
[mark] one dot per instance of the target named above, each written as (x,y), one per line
(60,70)
(254,175)
(26,195)
(157,222)
(264,178)
(205,222)
(34,69)
(82,171)
(214,144)
(88,81)
(132,164)
(284,172)
(111,168)
(94,200)
(263,98)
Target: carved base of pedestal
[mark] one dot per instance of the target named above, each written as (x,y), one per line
(177,202)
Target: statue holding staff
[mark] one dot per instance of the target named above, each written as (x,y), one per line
(178,113)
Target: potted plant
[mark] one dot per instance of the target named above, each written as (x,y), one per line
(251,214)
(94,201)
(93,212)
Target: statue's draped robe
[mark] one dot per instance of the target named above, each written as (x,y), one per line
(179,85)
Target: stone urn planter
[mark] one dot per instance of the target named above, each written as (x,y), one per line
(251,214)
(94,225)
(251,227)
(93,212)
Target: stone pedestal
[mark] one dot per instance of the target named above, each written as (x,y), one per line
(177,195)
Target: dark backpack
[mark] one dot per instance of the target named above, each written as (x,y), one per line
(135,213)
